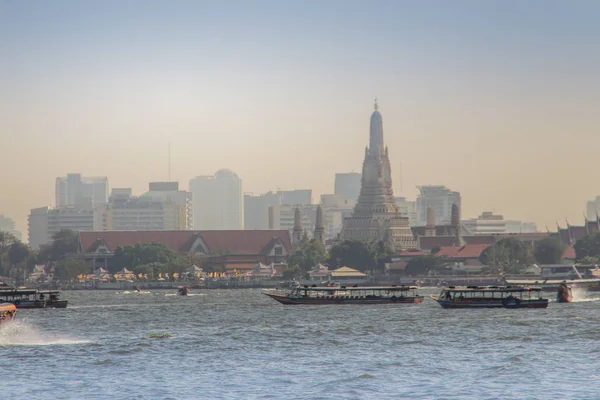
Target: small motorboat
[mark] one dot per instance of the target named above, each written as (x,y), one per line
(183,290)
(564,294)
(7,312)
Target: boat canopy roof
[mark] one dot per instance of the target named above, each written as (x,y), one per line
(357,288)
(7,307)
(549,281)
(48,291)
(491,289)
(17,292)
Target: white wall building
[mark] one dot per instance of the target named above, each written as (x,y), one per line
(44,222)
(488,223)
(8,225)
(217,201)
(73,189)
(163,207)
(408,209)
(440,198)
(593,209)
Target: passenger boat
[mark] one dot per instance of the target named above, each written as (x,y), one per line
(552,276)
(349,295)
(490,297)
(8,312)
(52,298)
(22,298)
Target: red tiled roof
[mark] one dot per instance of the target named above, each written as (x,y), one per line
(480,239)
(244,242)
(569,253)
(564,236)
(234,242)
(410,253)
(577,232)
(429,242)
(396,266)
(466,251)
(239,267)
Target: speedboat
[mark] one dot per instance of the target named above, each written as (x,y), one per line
(183,290)
(564,294)
(7,312)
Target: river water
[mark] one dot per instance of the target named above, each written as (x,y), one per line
(239,344)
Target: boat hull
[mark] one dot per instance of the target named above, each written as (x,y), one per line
(343,300)
(56,303)
(26,304)
(542,303)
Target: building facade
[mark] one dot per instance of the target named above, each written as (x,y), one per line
(44,222)
(347,185)
(256,209)
(217,201)
(408,209)
(376,216)
(7,224)
(489,224)
(73,189)
(163,207)
(300,197)
(441,199)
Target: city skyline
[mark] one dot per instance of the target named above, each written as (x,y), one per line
(499,109)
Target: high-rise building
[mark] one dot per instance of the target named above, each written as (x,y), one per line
(408,209)
(73,190)
(8,225)
(283,217)
(376,215)
(347,185)
(441,200)
(301,197)
(489,223)
(217,201)
(593,209)
(163,207)
(256,209)
(44,222)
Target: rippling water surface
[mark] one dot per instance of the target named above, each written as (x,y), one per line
(239,344)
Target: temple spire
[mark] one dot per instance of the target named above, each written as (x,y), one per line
(297,230)
(319,226)
(430,226)
(375,106)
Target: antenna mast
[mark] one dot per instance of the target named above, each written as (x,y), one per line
(169,162)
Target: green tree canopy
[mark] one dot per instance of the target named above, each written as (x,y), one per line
(355,254)
(64,242)
(294,272)
(308,255)
(421,265)
(140,254)
(509,254)
(549,250)
(68,269)
(588,246)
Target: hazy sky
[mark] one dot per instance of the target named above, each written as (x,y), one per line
(496,99)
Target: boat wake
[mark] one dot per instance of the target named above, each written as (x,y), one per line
(18,333)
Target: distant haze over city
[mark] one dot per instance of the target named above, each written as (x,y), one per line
(497,101)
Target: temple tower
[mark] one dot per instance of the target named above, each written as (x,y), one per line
(455,226)
(320,226)
(376,216)
(430,226)
(297,230)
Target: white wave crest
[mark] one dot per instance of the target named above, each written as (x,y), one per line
(18,333)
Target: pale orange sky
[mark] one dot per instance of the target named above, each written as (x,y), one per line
(506,114)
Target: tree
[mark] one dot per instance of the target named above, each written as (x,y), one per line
(308,255)
(354,254)
(421,265)
(69,269)
(64,242)
(549,250)
(140,254)
(506,254)
(588,246)
(293,272)
(183,262)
